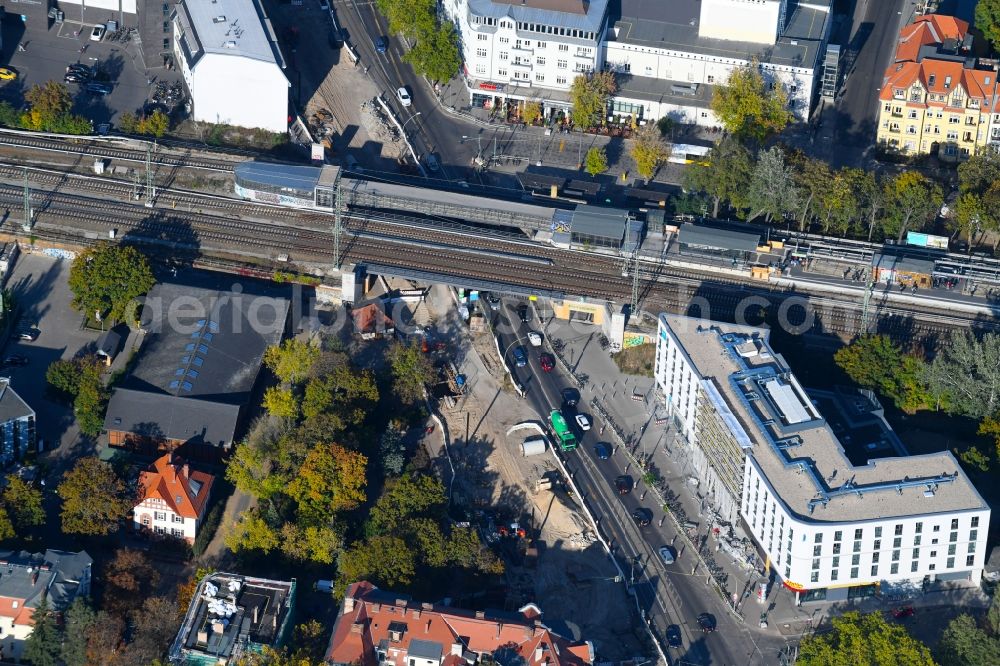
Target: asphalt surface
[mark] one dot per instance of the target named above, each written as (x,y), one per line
(667,594)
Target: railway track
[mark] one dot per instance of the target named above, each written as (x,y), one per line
(94,148)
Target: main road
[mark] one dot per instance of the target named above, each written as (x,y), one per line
(668,595)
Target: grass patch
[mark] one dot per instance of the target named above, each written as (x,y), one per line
(638,360)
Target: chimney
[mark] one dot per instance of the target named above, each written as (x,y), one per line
(203,636)
(426,606)
(538,653)
(255,614)
(186,471)
(456,649)
(416,613)
(402,604)
(348,604)
(480,615)
(357,628)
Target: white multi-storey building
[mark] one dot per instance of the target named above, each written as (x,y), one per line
(772,465)
(517,50)
(670,55)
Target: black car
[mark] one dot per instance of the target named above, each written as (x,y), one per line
(707,622)
(381,45)
(74,77)
(602,450)
(524,313)
(642,517)
(336,39)
(493,300)
(79,68)
(15,360)
(98,88)
(570,396)
(674,636)
(624,484)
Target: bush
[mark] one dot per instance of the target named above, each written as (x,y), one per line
(208,528)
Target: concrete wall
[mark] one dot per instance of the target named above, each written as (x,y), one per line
(238,91)
(92,7)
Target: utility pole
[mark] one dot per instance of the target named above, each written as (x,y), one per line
(150,183)
(632,263)
(866,313)
(27,222)
(338,201)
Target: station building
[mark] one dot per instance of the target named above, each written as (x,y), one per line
(228,54)
(772,465)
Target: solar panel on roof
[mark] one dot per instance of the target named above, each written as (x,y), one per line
(189,347)
(192,374)
(198,360)
(212,326)
(186,386)
(207,337)
(174,384)
(179,372)
(203,349)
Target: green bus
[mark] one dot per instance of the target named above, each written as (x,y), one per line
(566,439)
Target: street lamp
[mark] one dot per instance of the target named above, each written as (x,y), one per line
(408,121)
(479,147)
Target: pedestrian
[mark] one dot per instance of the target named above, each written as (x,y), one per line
(20,46)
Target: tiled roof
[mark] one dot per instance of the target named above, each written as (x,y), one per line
(940,77)
(370,618)
(184,490)
(929,29)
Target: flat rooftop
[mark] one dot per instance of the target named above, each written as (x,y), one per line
(229,27)
(673,25)
(230,613)
(795,448)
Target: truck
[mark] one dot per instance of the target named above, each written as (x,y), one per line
(564,436)
(533,446)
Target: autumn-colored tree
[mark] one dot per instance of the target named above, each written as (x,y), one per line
(331,479)
(48,102)
(94,499)
(281,402)
(252,532)
(186,590)
(343,390)
(649,150)
(106,279)
(863,639)
(292,360)
(312,543)
(155,124)
(530,112)
(596,161)
(128,578)
(23,502)
(748,106)
(104,639)
(7,530)
(153,627)
(589,95)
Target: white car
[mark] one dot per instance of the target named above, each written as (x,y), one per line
(404,97)
(535,338)
(583,421)
(666,555)
(97,34)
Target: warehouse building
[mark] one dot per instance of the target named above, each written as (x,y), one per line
(228,53)
(773,467)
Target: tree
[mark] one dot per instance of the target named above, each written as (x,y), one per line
(128,578)
(724,176)
(596,161)
(963,643)
(436,55)
(979,172)
(155,124)
(772,191)
(23,502)
(589,96)
(988,20)
(408,496)
(128,123)
(292,360)
(649,150)
(64,376)
(104,639)
(812,177)
(875,362)
(281,402)
(840,200)
(531,112)
(411,371)
(106,279)
(154,628)
(252,532)
(342,390)
(78,620)
(747,106)
(386,560)
(331,479)
(90,404)
(910,199)
(312,543)
(7,530)
(42,647)
(94,499)
(863,639)
(48,101)
(392,449)
(967,372)
(970,215)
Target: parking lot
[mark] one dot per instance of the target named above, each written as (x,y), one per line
(41,292)
(49,47)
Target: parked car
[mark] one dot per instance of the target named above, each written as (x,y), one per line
(97,34)
(335,39)
(324,5)
(7,74)
(642,517)
(570,396)
(666,555)
(15,360)
(674,636)
(493,300)
(903,612)
(602,451)
(433,163)
(547,362)
(520,356)
(99,88)
(624,484)
(523,313)
(381,45)
(535,338)
(583,421)
(28,334)
(707,622)
(74,77)
(404,97)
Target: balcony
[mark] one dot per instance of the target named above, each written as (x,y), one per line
(893,129)
(521,64)
(521,48)
(897,114)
